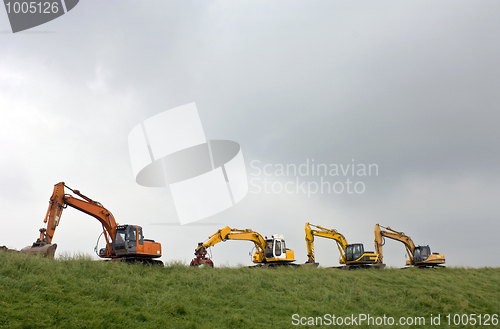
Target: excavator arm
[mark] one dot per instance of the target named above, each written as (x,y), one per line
(325,233)
(57,203)
(54,212)
(224,234)
(96,210)
(228,233)
(394,235)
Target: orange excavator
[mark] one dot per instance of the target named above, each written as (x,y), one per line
(122,241)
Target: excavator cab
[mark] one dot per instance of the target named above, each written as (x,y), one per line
(355,254)
(275,250)
(421,253)
(354,251)
(129,242)
(125,240)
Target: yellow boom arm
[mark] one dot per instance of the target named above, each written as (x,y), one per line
(228,233)
(325,233)
(395,235)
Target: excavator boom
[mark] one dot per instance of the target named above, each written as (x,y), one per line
(325,233)
(395,235)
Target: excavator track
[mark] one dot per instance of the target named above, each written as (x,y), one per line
(359,266)
(276,265)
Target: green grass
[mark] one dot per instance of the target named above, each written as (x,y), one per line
(76,292)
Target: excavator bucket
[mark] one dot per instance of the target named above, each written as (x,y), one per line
(47,250)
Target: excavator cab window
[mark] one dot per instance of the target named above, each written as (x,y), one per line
(277,248)
(131,237)
(141,237)
(120,238)
(269,248)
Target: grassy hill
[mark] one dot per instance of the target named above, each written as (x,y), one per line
(80,293)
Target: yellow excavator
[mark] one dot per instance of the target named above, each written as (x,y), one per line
(269,252)
(124,242)
(419,256)
(352,255)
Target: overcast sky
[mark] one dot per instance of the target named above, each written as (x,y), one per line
(411,87)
